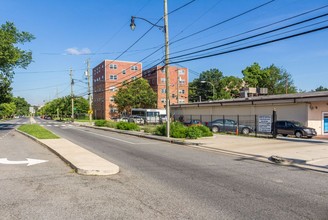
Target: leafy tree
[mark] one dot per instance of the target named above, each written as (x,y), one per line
(321,89)
(22,106)
(63,106)
(225,87)
(7,110)
(11,56)
(277,80)
(136,94)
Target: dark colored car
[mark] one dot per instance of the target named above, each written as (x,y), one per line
(228,125)
(286,128)
(193,122)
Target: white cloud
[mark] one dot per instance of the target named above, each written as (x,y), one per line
(76,51)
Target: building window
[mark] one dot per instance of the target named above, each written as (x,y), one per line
(112,99)
(181,72)
(113,77)
(113,66)
(134,67)
(133,78)
(182,91)
(163,91)
(163,80)
(181,101)
(182,81)
(163,100)
(124,72)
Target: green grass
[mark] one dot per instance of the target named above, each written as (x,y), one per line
(37,131)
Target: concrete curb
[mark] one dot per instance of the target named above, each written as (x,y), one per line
(81,160)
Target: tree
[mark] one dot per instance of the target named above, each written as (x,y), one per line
(136,94)
(11,56)
(7,110)
(321,89)
(277,80)
(63,106)
(225,87)
(22,106)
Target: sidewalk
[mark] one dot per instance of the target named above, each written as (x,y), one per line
(304,153)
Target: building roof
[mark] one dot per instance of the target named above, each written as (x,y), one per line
(268,99)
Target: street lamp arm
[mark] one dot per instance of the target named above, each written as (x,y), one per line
(133,25)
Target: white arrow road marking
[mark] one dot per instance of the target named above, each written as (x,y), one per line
(28,161)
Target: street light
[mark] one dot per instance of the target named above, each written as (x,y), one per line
(203,81)
(166,39)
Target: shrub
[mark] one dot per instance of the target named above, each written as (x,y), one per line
(100,123)
(177,130)
(193,132)
(111,124)
(160,130)
(122,125)
(206,132)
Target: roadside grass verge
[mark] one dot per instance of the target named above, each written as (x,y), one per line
(37,131)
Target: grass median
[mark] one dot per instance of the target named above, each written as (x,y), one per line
(37,131)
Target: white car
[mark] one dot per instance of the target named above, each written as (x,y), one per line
(136,119)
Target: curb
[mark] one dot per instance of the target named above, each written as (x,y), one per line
(80,164)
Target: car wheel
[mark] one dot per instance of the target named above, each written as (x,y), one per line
(285,135)
(298,134)
(245,131)
(215,129)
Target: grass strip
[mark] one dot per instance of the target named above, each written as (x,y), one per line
(37,131)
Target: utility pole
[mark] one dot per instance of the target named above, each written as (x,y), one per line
(178,81)
(166,30)
(90,112)
(57,106)
(72,94)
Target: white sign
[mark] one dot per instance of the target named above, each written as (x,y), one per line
(28,161)
(264,123)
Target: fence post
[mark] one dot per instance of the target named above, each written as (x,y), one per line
(237,128)
(255,125)
(274,119)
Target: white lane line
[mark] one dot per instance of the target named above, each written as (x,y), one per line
(117,139)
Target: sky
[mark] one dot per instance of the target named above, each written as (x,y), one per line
(69,32)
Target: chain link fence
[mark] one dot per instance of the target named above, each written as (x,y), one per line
(254,125)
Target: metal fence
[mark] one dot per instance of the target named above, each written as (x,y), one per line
(254,125)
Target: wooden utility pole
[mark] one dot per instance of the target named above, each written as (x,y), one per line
(90,112)
(72,94)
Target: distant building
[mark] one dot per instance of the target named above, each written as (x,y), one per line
(178,78)
(108,77)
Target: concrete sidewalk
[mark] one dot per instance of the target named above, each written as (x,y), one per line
(304,153)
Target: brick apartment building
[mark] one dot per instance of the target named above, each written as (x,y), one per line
(107,77)
(178,78)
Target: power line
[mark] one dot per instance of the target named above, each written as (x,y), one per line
(255,29)
(222,22)
(250,37)
(252,46)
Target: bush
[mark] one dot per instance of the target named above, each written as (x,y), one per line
(122,125)
(193,132)
(178,130)
(206,132)
(100,123)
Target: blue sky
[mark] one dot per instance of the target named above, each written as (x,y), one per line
(68,32)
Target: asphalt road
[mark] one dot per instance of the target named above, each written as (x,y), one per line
(157,181)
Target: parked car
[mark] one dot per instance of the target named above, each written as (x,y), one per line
(286,128)
(136,119)
(228,125)
(194,122)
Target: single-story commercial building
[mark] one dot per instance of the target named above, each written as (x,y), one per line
(310,108)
